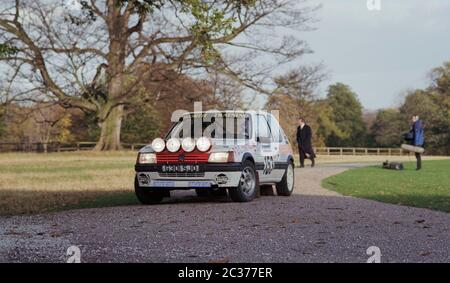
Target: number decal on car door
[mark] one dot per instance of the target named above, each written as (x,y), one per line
(269,164)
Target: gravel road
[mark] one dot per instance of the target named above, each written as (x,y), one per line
(313,225)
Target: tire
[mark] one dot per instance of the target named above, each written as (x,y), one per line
(219,192)
(202,192)
(287,184)
(247,188)
(147,195)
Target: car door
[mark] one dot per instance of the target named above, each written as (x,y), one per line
(265,149)
(280,149)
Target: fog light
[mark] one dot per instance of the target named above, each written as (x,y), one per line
(203,144)
(188,144)
(158,145)
(173,145)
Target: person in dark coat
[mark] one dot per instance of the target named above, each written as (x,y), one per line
(418,138)
(304,135)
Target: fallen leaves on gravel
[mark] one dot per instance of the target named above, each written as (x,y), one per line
(425,254)
(221,260)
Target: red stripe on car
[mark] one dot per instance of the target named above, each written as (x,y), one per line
(194,157)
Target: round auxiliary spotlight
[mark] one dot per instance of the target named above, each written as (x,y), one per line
(203,144)
(173,145)
(188,144)
(158,145)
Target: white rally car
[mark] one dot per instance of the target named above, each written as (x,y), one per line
(216,152)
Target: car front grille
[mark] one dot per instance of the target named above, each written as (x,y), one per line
(184,174)
(194,157)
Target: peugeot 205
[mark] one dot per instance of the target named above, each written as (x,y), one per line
(215,153)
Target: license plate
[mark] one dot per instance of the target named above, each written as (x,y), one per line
(164,184)
(180,168)
(199,184)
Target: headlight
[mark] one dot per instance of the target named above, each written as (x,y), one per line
(147,158)
(173,145)
(158,145)
(219,157)
(188,144)
(203,144)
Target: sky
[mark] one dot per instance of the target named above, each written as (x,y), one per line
(382,53)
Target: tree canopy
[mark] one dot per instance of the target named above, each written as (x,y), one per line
(94,54)
(387,128)
(347,115)
(432,106)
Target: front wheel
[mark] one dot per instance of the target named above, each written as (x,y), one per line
(286,186)
(147,195)
(247,188)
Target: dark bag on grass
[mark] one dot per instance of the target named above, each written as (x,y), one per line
(392,165)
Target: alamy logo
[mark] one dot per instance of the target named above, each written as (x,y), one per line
(375,254)
(74,254)
(374,5)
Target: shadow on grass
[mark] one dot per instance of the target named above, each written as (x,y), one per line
(13,202)
(16,202)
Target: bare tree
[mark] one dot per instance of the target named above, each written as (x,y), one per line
(50,124)
(295,95)
(92,54)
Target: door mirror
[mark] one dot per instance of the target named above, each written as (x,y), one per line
(263,139)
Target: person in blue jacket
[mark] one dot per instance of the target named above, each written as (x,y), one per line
(418,138)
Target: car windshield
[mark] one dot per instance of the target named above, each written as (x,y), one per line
(213,125)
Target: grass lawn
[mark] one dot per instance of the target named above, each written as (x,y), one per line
(34,183)
(31,183)
(428,188)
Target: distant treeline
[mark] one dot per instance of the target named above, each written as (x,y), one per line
(47,122)
(338,120)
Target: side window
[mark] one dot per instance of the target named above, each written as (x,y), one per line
(277,132)
(276,135)
(263,128)
(283,138)
(243,128)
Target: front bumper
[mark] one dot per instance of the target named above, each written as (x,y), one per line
(208,176)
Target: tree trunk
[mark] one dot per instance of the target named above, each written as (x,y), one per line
(110,130)
(111,115)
